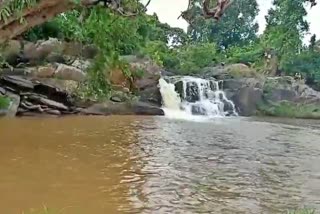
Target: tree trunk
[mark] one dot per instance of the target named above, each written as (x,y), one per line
(42,12)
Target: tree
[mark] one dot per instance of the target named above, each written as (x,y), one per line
(236,28)
(313,40)
(286,27)
(17,16)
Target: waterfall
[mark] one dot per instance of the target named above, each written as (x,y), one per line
(190,96)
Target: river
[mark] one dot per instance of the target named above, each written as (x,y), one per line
(120,164)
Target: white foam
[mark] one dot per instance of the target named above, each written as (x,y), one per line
(206,101)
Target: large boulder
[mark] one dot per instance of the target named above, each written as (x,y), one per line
(35,52)
(66,72)
(151,95)
(222,72)
(146,72)
(247,99)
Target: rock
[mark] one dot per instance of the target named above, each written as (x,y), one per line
(78,49)
(140,108)
(66,72)
(107,108)
(119,80)
(119,96)
(39,51)
(136,108)
(150,72)
(247,100)
(58,90)
(192,94)
(53,112)
(228,107)
(116,99)
(15,71)
(217,72)
(17,82)
(178,87)
(11,51)
(47,102)
(83,65)
(278,95)
(2,91)
(44,71)
(29,106)
(151,95)
(231,71)
(14,104)
(198,110)
(240,70)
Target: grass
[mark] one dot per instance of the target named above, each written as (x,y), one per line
(4,102)
(290,110)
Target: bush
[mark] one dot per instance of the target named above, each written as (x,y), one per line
(4,102)
(290,110)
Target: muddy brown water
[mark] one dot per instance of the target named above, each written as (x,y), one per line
(99,165)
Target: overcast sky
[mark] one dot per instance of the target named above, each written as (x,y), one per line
(169,10)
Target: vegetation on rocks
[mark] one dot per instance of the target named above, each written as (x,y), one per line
(4,102)
(291,110)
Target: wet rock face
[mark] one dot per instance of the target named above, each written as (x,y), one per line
(151,95)
(198,110)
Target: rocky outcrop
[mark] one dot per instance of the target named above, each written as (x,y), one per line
(36,97)
(51,50)
(232,71)
(41,96)
(145,79)
(55,70)
(250,95)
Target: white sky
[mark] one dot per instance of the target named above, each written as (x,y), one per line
(169,10)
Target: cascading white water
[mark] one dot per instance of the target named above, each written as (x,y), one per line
(188,96)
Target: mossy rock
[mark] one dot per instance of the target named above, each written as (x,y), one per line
(290,110)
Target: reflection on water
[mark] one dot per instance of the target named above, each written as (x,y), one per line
(98,165)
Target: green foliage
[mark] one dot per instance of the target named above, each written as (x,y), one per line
(290,110)
(4,102)
(286,27)
(196,56)
(14,8)
(251,54)
(237,26)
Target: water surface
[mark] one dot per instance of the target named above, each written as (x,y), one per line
(98,165)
